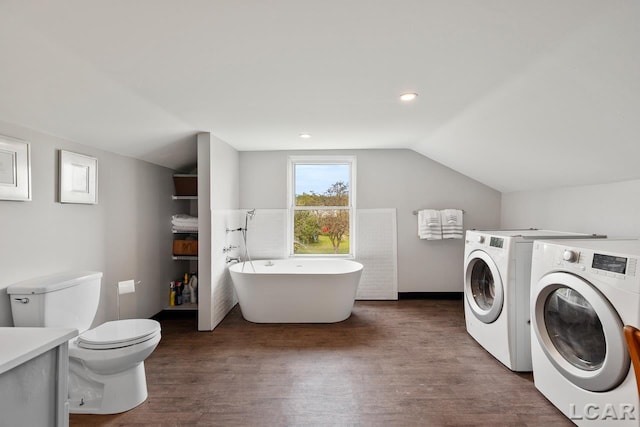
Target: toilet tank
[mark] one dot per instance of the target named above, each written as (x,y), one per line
(64,300)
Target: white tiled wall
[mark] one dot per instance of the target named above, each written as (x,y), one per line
(267,234)
(377,250)
(376,246)
(223,295)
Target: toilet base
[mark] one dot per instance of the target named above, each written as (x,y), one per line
(91,393)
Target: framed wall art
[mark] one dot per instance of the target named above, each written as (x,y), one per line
(78,178)
(15,169)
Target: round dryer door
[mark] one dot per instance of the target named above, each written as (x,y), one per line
(483,287)
(580,332)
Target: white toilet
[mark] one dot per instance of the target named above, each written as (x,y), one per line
(106,364)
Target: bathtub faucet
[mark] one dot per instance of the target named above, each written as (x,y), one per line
(230,230)
(232,259)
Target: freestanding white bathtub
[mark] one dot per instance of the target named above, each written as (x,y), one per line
(296,290)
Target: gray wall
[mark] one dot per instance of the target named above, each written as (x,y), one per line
(401,179)
(611,209)
(126,236)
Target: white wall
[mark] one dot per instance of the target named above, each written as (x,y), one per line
(126,235)
(612,209)
(217,210)
(401,179)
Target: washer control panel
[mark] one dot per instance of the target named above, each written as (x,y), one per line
(496,242)
(479,240)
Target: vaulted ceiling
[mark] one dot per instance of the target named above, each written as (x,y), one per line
(516,94)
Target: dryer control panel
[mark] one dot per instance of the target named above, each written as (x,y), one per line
(611,268)
(612,263)
(616,266)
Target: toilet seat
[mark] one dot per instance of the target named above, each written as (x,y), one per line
(118,334)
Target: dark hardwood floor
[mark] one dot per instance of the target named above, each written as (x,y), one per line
(392,363)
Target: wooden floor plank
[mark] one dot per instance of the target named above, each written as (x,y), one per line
(392,363)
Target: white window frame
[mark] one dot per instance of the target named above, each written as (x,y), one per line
(291,200)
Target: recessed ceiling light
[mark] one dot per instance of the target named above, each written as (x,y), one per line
(408,96)
(305,135)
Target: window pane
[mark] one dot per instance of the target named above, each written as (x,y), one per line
(321,231)
(322,185)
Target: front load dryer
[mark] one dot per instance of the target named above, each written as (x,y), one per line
(497,277)
(582,294)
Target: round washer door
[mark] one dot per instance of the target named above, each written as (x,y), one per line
(483,286)
(580,332)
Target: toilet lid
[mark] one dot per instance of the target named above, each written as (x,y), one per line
(119,333)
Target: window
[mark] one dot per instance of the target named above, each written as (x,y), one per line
(321,203)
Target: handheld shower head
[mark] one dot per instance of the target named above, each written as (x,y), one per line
(247,216)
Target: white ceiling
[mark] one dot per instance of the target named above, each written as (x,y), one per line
(517,94)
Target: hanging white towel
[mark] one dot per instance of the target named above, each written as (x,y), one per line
(429,224)
(452,227)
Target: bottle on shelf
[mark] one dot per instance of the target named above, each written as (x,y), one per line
(193,287)
(186,290)
(172,294)
(178,293)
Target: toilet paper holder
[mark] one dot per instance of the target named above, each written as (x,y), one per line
(125,287)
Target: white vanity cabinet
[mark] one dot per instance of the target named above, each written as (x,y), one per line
(34,372)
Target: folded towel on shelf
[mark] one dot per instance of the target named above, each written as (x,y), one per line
(184,218)
(176,229)
(452,227)
(184,226)
(429,224)
(182,223)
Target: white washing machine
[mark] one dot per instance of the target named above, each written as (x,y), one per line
(582,294)
(496,286)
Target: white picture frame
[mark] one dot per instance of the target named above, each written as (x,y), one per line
(78,178)
(15,169)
